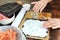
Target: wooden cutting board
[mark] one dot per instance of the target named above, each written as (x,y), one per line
(39,17)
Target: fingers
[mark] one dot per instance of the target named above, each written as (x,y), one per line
(42,8)
(33,2)
(55,27)
(40,5)
(52,23)
(36,7)
(49,24)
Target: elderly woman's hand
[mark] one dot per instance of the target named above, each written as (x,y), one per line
(40,5)
(52,23)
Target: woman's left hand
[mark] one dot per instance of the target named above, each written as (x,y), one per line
(40,5)
(52,23)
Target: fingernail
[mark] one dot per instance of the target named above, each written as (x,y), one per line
(54,27)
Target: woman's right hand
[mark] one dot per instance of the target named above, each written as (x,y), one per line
(53,23)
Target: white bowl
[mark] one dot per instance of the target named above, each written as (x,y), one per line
(20,35)
(7,21)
